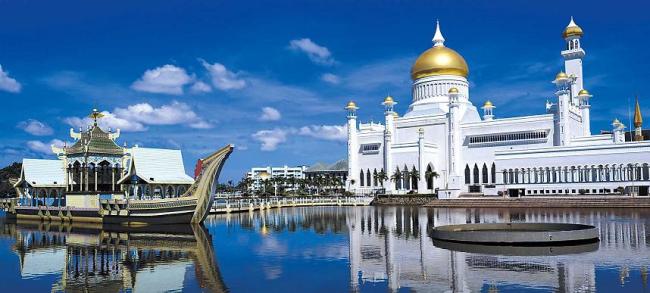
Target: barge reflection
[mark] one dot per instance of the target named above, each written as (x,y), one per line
(95,258)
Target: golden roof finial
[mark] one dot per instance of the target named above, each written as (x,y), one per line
(638,119)
(95,115)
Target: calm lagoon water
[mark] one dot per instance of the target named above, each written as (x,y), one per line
(325,249)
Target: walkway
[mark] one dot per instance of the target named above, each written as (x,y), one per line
(234,205)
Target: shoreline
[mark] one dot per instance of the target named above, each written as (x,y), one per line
(537,202)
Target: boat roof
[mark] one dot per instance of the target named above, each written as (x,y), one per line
(157,166)
(42,173)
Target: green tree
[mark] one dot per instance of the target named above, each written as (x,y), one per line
(414,177)
(397,176)
(429,175)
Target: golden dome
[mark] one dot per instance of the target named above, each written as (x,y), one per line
(583,92)
(488,104)
(453,90)
(561,76)
(389,99)
(351,105)
(439,60)
(572,30)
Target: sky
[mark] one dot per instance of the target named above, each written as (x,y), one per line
(272,77)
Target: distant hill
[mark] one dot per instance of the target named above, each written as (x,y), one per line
(10,172)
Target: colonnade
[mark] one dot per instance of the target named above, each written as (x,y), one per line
(578,174)
(93,178)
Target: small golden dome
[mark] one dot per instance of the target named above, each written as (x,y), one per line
(561,76)
(389,99)
(572,30)
(351,105)
(439,60)
(583,92)
(488,104)
(453,90)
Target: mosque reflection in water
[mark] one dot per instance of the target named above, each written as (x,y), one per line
(380,247)
(386,245)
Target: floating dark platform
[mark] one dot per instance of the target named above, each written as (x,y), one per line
(516,233)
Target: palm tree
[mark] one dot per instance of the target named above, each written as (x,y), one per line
(397,176)
(415,177)
(429,175)
(381,177)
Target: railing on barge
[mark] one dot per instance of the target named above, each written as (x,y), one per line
(243,204)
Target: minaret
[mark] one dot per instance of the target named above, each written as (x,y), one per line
(618,132)
(353,146)
(389,131)
(454,155)
(562,128)
(573,55)
(638,122)
(422,183)
(583,98)
(389,113)
(487,111)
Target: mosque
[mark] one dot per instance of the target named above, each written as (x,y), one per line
(443,145)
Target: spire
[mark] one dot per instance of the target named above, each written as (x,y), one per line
(438,39)
(638,119)
(572,23)
(95,115)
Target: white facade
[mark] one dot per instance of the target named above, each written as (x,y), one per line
(442,144)
(259,174)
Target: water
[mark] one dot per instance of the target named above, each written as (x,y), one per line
(325,249)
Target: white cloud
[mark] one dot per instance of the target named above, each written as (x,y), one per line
(270,139)
(330,78)
(222,78)
(167,79)
(109,120)
(200,87)
(325,132)
(44,147)
(35,127)
(316,53)
(270,114)
(137,117)
(7,83)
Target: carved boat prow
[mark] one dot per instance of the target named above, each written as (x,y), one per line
(206,182)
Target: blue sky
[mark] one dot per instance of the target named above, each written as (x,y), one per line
(272,76)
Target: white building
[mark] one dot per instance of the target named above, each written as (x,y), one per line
(452,149)
(260,174)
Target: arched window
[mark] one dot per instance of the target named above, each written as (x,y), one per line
(494,173)
(485,173)
(429,177)
(646,172)
(398,179)
(374,178)
(414,178)
(406,178)
(468,179)
(368,181)
(361,183)
(476,174)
